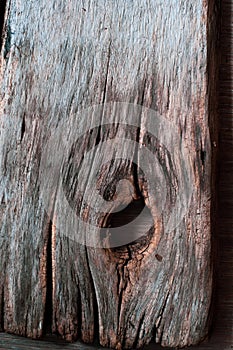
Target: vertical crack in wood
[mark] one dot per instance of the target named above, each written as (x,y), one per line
(160,316)
(122,285)
(79,309)
(95,301)
(98,137)
(23,128)
(107,70)
(143,92)
(135,167)
(47,326)
(26,324)
(140,324)
(120,295)
(203,155)
(2,310)
(2,20)
(168,95)
(7,45)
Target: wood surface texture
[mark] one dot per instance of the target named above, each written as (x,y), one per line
(59,58)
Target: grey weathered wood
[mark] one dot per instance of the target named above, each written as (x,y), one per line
(58,59)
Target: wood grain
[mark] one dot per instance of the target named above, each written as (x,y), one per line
(58,59)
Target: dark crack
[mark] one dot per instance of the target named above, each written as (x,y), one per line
(2,17)
(48,314)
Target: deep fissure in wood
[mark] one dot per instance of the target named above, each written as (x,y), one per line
(23,128)
(95,303)
(48,314)
(138,330)
(2,311)
(106,76)
(2,17)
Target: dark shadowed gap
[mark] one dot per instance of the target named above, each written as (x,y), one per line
(94,300)
(120,221)
(2,311)
(2,15)
(23,128)
(47,326)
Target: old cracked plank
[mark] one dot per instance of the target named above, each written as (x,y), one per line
(58,59)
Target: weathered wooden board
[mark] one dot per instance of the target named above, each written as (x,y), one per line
(60,58)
